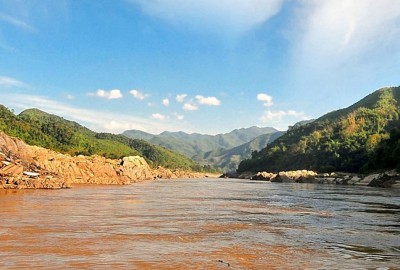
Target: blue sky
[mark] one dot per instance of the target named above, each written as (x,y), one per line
(196,66)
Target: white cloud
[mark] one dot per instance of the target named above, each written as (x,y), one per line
(118,126)
(138,95)
(278,115)
(211,101)
(333,32)
(112,94)
(16,22)
(282,119)
(233,17)
(70,97)
(266,99)
(180,98)
(158,116)
(97,120)
(179,117)
(165,101)
(11,82)
(189,107)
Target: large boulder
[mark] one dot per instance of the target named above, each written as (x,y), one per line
(135,168)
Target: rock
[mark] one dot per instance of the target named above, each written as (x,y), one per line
(80,169)
(283,177)
(386,180)
(353,180)
(164,173)
(31,174)
(296,176)
(326,180)
(230,175)
(367,180)
(340,181)
(307,179)
(12,169)
(265,176)
(392,173)
(135,168)
(396,184)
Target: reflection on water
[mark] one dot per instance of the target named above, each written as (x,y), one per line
(201,224)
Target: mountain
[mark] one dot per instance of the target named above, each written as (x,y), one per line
(213,150)
(140,135)
(228,159)
(342,140)
(39,128)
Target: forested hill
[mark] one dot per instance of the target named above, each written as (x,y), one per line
(362,137)
(36,127)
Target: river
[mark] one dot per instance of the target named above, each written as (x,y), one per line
(201,224)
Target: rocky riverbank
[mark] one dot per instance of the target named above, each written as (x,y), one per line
(26,166)
(15,174)
(389,179)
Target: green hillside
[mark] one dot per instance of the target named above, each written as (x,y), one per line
(36,127)
(343,140)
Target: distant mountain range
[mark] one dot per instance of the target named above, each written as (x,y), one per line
(223,151)
(360,138)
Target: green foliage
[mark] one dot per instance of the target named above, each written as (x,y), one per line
(343,140)
(42,129)
(387,154)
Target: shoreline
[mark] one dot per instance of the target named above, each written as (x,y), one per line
(23,166)
(387,179)
(23,183)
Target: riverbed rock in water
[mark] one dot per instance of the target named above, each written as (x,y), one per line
(264,176)
(299,176)
(386,180)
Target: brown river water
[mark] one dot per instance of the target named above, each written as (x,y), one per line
(201,224)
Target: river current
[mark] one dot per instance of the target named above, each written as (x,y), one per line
(201,224)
